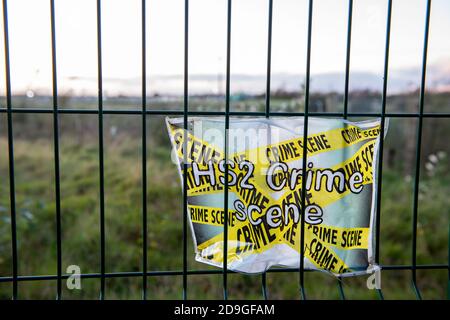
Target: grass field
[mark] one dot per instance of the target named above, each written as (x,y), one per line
(36,227)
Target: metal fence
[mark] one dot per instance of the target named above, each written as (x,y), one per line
(145,113)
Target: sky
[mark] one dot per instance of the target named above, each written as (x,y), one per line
(76,40)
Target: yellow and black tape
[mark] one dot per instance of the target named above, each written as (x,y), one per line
(245,238)
(203,153)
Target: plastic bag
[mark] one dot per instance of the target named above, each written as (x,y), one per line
(265,207)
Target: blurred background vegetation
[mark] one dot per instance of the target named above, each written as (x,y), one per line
(36,227)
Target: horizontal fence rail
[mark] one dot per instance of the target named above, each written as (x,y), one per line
(142,110)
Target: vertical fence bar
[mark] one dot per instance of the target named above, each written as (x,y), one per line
(100,152)
(382,127)
(305,153)
(12,187)
(268,78)
(144,154)
(269,58)
(264,285)
(419,151)
(227,126)
(185,123)
(56,153)
(346,85)
(448,265)
(347,58)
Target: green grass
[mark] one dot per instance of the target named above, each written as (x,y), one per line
(36,227)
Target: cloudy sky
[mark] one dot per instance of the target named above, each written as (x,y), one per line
(30,46)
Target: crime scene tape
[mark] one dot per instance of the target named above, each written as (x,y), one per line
(265,191)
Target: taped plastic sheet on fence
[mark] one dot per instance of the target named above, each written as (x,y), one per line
(265,194)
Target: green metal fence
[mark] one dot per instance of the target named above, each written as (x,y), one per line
(10,110)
